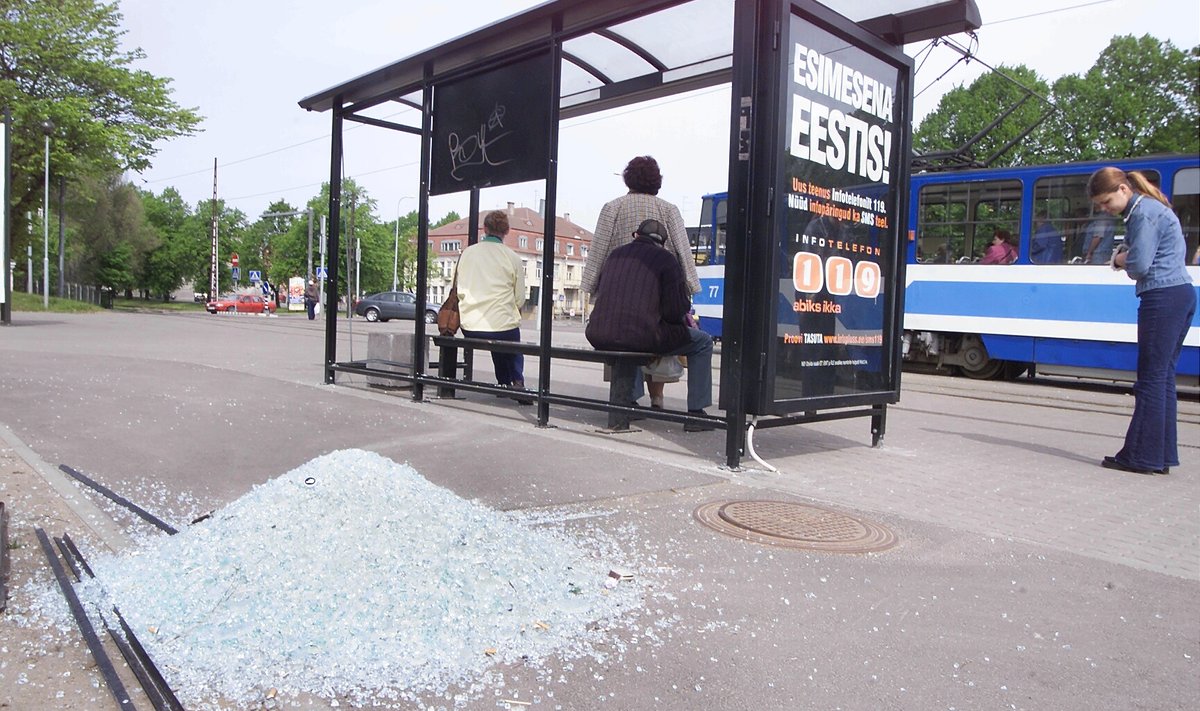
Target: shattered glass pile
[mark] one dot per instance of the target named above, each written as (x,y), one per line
(353,577)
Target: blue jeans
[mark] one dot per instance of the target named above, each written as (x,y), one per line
(699,350)
(1164,316)
(510,367)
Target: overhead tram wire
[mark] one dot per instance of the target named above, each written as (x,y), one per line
(273,151)
(971,53)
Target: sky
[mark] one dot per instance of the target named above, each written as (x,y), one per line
(244,66)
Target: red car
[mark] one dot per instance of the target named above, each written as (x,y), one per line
(241,303)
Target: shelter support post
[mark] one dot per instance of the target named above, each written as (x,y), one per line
(335,216)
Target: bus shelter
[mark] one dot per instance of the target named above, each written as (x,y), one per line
(820,125)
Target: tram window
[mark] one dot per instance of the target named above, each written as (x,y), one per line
(702,241)
(1000,213)
(956,221)
(1186,201)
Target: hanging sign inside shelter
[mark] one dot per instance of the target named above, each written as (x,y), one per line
(492,128)
(842,170)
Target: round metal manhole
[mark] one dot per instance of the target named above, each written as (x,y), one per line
(784,523)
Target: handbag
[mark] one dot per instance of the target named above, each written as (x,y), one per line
(664,369)
(448,319)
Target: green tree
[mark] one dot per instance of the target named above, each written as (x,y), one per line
(1140,97)
(113,234)
(177,255)
(231,226)
(964,112)
(61,60)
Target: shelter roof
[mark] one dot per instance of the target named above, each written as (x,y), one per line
(616,52)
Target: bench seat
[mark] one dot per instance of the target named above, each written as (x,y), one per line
(620,385)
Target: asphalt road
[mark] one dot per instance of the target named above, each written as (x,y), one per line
(1025,576)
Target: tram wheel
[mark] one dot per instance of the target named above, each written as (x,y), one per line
(975,361)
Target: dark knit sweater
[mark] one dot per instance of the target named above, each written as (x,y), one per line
(641,301)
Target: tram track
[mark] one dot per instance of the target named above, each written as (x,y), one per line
(62,555)
(1048,396)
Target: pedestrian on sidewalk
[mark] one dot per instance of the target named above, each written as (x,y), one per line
(1154,256)
(311,297)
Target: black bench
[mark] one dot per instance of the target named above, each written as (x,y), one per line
(619,388)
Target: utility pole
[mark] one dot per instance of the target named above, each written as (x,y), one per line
(47,128)
(212,275)
(62,232)
(350,294)
(323,248)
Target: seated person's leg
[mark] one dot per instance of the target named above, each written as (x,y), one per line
(656,392)
(699,355)
(625,371)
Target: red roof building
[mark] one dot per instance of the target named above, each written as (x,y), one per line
(526,238)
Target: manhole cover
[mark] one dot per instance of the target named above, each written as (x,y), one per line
(783,523)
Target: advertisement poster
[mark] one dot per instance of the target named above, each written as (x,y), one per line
(842,168)
(295,294)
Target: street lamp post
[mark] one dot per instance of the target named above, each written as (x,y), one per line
(47,128)
(396,252)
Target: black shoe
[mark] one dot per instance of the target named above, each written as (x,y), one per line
(520,386)
(698,426)
(1114,463)
(1164,470)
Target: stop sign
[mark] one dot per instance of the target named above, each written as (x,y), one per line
(233,259)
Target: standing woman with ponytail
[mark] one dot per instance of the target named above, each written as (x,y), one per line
(1155,258)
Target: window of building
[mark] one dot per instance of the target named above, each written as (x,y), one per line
(570,250)
(540,244)
(452,245)
(522,241)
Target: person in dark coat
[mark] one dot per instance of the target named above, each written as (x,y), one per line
(642,301)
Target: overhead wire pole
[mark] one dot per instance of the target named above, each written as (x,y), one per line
(47,128)
(213,281)
(6,264)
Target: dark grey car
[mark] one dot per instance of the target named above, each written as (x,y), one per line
(393,304)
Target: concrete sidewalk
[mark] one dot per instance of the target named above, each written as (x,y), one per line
(1025,576)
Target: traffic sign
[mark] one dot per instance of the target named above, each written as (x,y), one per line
(233,259)
(255,275)
(236,273)
(322,273)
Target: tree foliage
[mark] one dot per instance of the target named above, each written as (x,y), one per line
(61,60)
(1140,97)
(113,237)
(965,112)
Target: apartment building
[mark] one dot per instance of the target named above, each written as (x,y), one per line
(527,239)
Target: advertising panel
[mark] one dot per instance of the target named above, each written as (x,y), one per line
(295,294)
(846,111)
(492,128)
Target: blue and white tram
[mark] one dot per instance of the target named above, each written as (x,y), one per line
(1058,307)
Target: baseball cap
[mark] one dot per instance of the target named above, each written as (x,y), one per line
(652,229)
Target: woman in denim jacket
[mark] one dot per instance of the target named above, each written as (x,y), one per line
(1155,259)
